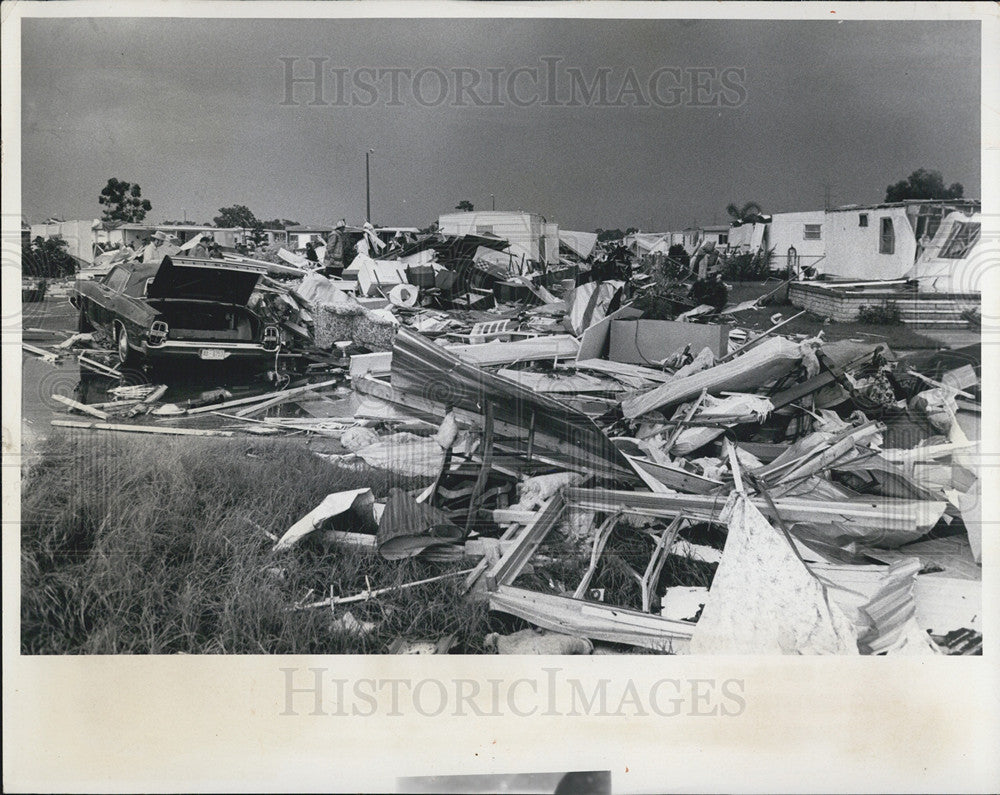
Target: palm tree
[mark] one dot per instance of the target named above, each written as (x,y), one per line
(744,212)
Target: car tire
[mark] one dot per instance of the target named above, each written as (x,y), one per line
(82,324)
(127,356)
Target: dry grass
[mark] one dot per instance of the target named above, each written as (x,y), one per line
(130,545)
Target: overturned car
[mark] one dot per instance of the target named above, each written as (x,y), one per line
(180,308)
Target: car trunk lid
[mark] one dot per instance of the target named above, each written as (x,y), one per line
(205,280)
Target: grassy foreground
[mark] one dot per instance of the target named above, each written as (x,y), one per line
(134,545)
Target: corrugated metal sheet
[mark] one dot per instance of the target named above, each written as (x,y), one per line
(422,368)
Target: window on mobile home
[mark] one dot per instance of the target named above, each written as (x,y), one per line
(813,232)
(484,230)
(862,219)
(961,240)
(887,237)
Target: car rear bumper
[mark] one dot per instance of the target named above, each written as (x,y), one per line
(174,350)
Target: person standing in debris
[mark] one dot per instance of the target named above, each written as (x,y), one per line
(333,262)
(161,246)
(200,251)
(706,261)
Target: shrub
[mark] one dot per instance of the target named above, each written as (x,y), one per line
(47,258)
(747,267)
(973,317)
(678,253)
(885,314)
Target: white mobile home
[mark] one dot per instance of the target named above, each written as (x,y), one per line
(797,238)
(880,242)
(954,261)
(80,237)
(298,236)
(529,235)
(718,234)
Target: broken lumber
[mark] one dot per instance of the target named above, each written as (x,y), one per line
(364,596)
(45,355)
(281,397)
(73,404)
(486,354)
(107,426)
(101,368)
(247,400)
(156,394)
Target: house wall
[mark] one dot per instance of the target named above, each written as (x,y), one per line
(298,240)
(524,231)
(135,237)
(691,239)
(788,230)
(852,250)
(80,237)
(717,235)
(550,256)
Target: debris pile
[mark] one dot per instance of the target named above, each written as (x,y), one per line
(679,484)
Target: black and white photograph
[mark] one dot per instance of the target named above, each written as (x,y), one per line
(394,357)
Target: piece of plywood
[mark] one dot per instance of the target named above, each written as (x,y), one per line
(594,340)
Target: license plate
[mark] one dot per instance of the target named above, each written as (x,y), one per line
(213,354)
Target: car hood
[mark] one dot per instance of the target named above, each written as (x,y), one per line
(205,280)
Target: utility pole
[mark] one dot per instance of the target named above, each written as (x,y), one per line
(493,201)
(368,186)
(827,186)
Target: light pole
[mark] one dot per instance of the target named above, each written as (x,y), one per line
(368,185)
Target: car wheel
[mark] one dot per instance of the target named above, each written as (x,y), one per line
(82,324)
(126,355)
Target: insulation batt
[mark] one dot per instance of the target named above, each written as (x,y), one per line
(535,641)
(764,600)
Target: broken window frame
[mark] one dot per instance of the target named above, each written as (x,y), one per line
(575,615)
(963,236)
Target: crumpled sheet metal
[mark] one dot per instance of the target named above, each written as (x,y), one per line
(424,369)
(333,505)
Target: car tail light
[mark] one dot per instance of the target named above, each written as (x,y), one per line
(158,332)
(270,338)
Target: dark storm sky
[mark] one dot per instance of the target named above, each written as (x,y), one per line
(192,111)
